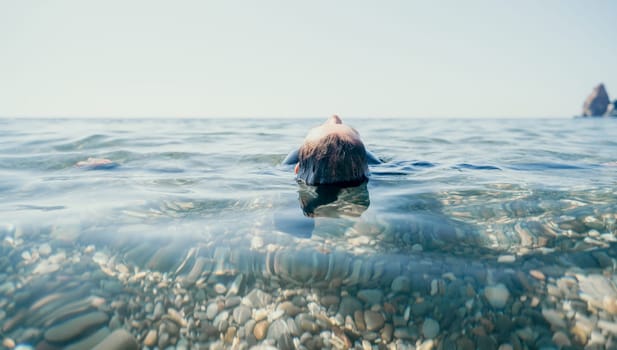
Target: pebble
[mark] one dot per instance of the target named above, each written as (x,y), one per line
(386,333)
(430,328)
(220,321)
(497,295)
(44,249)
(220,288)
(506,259)
(374,320)
(358,317)
(561,339)
(235,286)
(89,341)
(278,329)
(537,274)
(241,314)
(426,345)
(261,329)
(403,333)
(260,314)
(229,335)
(74,327)
(120,339)
(151,338)
(275,315)
(232,301)
(401,284)
(349,305)
(257,299)
(289,308)
(608,326)
(370,296)
(8,343)
(554,317)
(212,310)
(329,300)
(175,316)
(44,267)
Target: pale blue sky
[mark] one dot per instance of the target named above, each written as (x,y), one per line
(526,58)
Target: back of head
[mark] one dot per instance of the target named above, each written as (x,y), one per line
(333,160)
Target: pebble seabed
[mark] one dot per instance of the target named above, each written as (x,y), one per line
(63,295)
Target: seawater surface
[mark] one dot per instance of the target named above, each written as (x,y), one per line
(510,223)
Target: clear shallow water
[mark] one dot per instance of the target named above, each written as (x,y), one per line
(475,199)
(200,178)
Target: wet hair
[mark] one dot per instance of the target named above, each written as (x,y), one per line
(333,160)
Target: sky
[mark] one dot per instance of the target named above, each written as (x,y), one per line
(292,59)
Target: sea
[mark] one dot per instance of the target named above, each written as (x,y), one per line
(471,233)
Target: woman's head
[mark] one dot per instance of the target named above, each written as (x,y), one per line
(332,154)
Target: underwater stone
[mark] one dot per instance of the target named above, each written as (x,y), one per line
(90,341)
(261,329)
(401,284)
(374,320)
(212,310)
(370,296)
(74,327)
(349,305)
(278,329)
(118,340)
(257,299)
(289,308)
(430,328)
(151,338)
(241,314)
(497,295)
(554,317)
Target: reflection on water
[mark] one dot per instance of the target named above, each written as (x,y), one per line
(473,234)
(334,201)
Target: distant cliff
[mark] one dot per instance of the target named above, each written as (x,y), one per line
(598,103)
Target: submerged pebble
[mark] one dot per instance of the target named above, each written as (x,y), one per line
(497,295)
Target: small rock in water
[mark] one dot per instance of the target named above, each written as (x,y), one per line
(151,338)
(561,339)
(8,343)
(212,310)
(497,295)
(328,300)
(275,315)
(241,314)
(430,328)
(118,340)
(374,320)
(257,299)
(506,259)
(289,308)
(220,288)
(371,296)
(278,329)
(235,286)
(537,274)
(45,267)
(74,327)
(261,329)
(401,284)
(349,305)
(554,317)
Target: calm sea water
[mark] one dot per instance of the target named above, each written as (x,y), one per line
(475,182)
(467,196)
